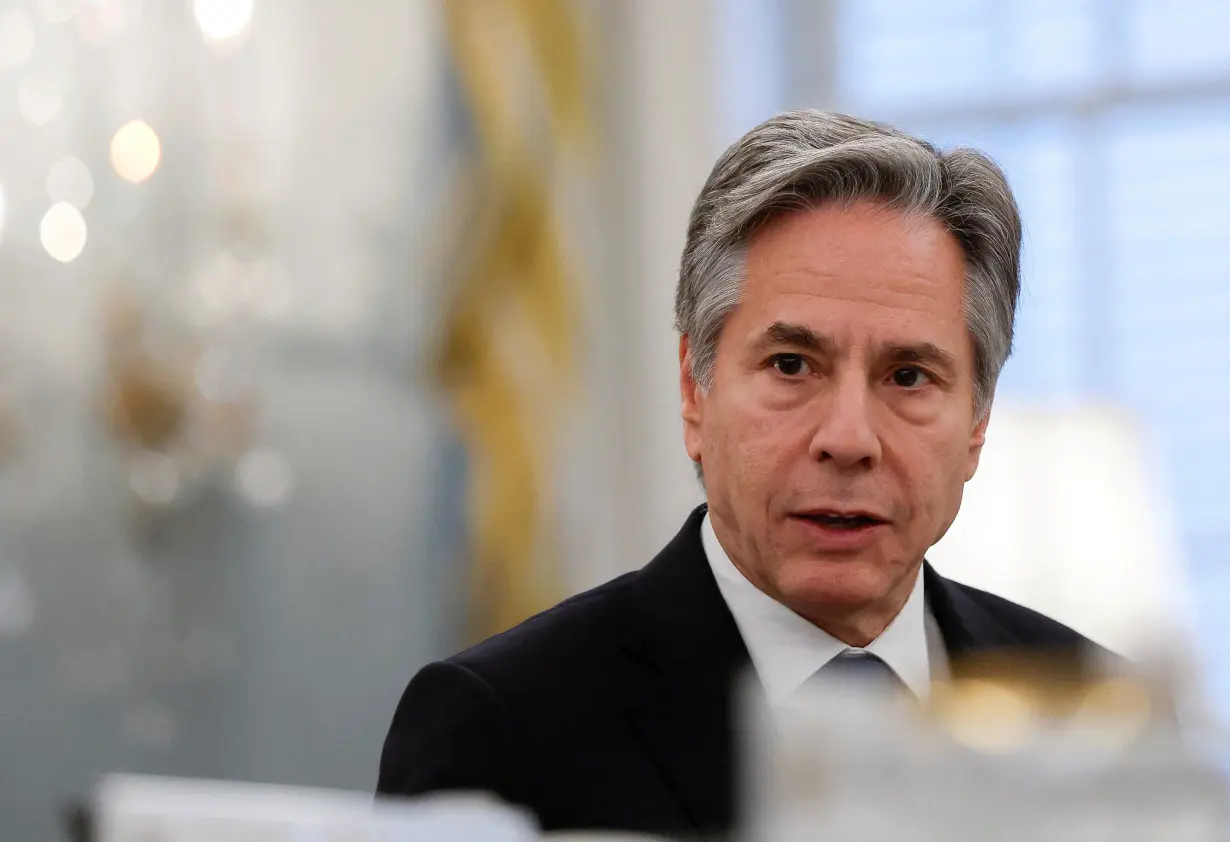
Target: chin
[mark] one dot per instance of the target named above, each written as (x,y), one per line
(838,581)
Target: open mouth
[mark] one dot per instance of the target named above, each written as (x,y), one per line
(842,521)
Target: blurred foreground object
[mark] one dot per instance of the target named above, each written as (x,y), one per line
(1010,749)
(134,809)
(142,809)
(1067,516)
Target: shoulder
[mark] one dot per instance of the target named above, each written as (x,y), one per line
(562,643)
(477,720)
(1025,625)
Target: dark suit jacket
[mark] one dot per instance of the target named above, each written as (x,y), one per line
(613,709)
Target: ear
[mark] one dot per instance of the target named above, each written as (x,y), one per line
(692,402)
(978,437)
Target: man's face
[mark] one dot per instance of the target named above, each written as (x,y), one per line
(840,427)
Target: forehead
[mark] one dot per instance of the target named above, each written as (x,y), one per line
(860,270)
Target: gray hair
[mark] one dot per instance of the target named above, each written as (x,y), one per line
(804,159)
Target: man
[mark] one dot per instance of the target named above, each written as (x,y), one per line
(845,303)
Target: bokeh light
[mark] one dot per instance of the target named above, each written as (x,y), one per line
(220,375)
(100,20)
(985,716)
(16,38)
(136,151)
(57,12)
(39,100)
(63,232)
(222,19)
(264,478)
(1113,713)
(69,180)
(154,478)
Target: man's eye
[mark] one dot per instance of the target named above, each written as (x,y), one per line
(910,377)
(790,365)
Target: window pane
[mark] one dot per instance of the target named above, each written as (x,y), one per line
(1052,46)
(1125,199)
(1169,200)
(901,52)
(1178,38)
(1039,159)
(905,54)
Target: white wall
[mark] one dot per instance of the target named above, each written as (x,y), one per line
(658,63)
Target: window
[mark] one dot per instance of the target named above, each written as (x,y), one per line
(1112,121)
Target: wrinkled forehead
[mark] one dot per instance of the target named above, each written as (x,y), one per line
(857,275)
(863,244)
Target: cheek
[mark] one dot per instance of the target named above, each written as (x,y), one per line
(752,441)
(773,439)
(934,468)
(946,480)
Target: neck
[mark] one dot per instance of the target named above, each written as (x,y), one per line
(856,625)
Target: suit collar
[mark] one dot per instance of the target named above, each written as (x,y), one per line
(966,626)
(788,649)
(684,639)
(686,609)
(686,642)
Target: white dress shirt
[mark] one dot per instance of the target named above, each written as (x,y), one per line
(786,649)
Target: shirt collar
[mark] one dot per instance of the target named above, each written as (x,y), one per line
(786,649)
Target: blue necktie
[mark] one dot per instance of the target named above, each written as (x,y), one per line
(858,667)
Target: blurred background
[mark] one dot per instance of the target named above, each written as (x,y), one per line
(337,335)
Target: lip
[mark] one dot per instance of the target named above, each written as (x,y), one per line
(836,539)
(840,511)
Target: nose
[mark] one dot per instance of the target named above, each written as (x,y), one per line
(846,435)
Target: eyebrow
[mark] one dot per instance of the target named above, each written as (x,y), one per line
(921,352)
(797,336)
(803,337)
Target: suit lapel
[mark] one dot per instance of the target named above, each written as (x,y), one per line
(966,627)
(689,653)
